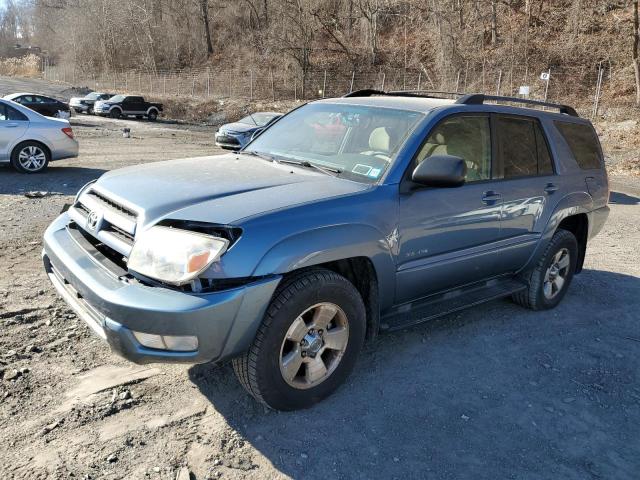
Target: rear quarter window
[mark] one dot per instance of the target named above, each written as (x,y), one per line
(583,142)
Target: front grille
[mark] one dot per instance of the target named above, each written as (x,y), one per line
(111,204)
(111,224)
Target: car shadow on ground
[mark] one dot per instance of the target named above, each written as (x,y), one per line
(54,180)
(623,199)
(496,391)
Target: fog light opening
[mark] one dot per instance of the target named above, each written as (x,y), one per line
(180,343)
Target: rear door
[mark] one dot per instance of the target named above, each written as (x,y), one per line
(447,236)
(134,105)
(528,184)
(13,126)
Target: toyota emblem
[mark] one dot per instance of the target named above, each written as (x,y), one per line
(93,220)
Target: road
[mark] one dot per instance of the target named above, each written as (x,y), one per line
(494,392)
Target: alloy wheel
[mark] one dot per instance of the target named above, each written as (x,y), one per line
(314,345)
(556,275)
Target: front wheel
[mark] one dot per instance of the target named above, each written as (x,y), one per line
(115,113)
(550,279)
(308,342)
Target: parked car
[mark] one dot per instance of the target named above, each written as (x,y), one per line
(120,106)
(85,104)
(29,141)
(234,136)
(287,255)
(47,106)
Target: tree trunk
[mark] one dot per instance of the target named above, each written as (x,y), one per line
(204,10)
(634,51)
(494,22)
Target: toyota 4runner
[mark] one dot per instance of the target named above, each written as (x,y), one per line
(347,216)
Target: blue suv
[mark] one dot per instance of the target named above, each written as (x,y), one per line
(345,217)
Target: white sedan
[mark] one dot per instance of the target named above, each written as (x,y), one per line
(29,141)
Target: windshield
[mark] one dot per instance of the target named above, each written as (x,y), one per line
(92,96)
(117,98)
(361,142)
(259,119)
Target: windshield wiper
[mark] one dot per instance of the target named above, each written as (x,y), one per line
(334,172)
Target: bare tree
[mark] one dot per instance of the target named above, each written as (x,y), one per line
(634,51)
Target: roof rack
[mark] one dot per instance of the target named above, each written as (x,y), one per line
(465,99)
(479,99)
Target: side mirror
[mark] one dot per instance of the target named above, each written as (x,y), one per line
(440,171)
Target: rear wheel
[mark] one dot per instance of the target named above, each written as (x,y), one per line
(30,157)
(308,342)
(152,116)
(550,279)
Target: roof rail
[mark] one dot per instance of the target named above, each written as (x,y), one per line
(479,99)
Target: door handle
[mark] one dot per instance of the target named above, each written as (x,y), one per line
(551,188)
(11,125)
(491,197)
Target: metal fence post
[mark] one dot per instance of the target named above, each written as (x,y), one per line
(419,79)
(273,88)
(353,76)
(251,85)
(383,79)
(546,87)
(499,82)
(208,82)
(324,83)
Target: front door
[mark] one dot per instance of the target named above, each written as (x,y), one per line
(447,236)
(13,124)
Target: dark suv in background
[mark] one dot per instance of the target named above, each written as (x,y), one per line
(347,216)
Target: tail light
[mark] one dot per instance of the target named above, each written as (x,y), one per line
(68,132)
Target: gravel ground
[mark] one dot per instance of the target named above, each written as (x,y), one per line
(494,392)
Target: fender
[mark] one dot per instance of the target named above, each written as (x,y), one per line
(116,107)
(153,108)
(572,204)
(336,242)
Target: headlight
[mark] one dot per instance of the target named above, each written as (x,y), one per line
(174,256)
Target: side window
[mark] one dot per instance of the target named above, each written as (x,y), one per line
(464,136)
(517,151)
(545,165)
(13,114)
(3,112)
(583,142)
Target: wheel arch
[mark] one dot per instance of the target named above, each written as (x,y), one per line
(360,253)
(578,225)
(577,205)
(22,141)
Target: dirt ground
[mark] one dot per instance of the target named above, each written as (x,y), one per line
(494,392)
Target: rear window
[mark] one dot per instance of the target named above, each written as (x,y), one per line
(583,142)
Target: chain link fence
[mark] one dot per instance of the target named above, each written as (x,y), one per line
(582,86)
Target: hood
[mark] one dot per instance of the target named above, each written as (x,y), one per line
(219,189)
(238,127)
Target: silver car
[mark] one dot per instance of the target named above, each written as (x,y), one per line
(29,141)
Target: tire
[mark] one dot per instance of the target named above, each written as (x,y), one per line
(152,116)
(115,113)
(90,111)
(310,297)
(30,157)
(543,293)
